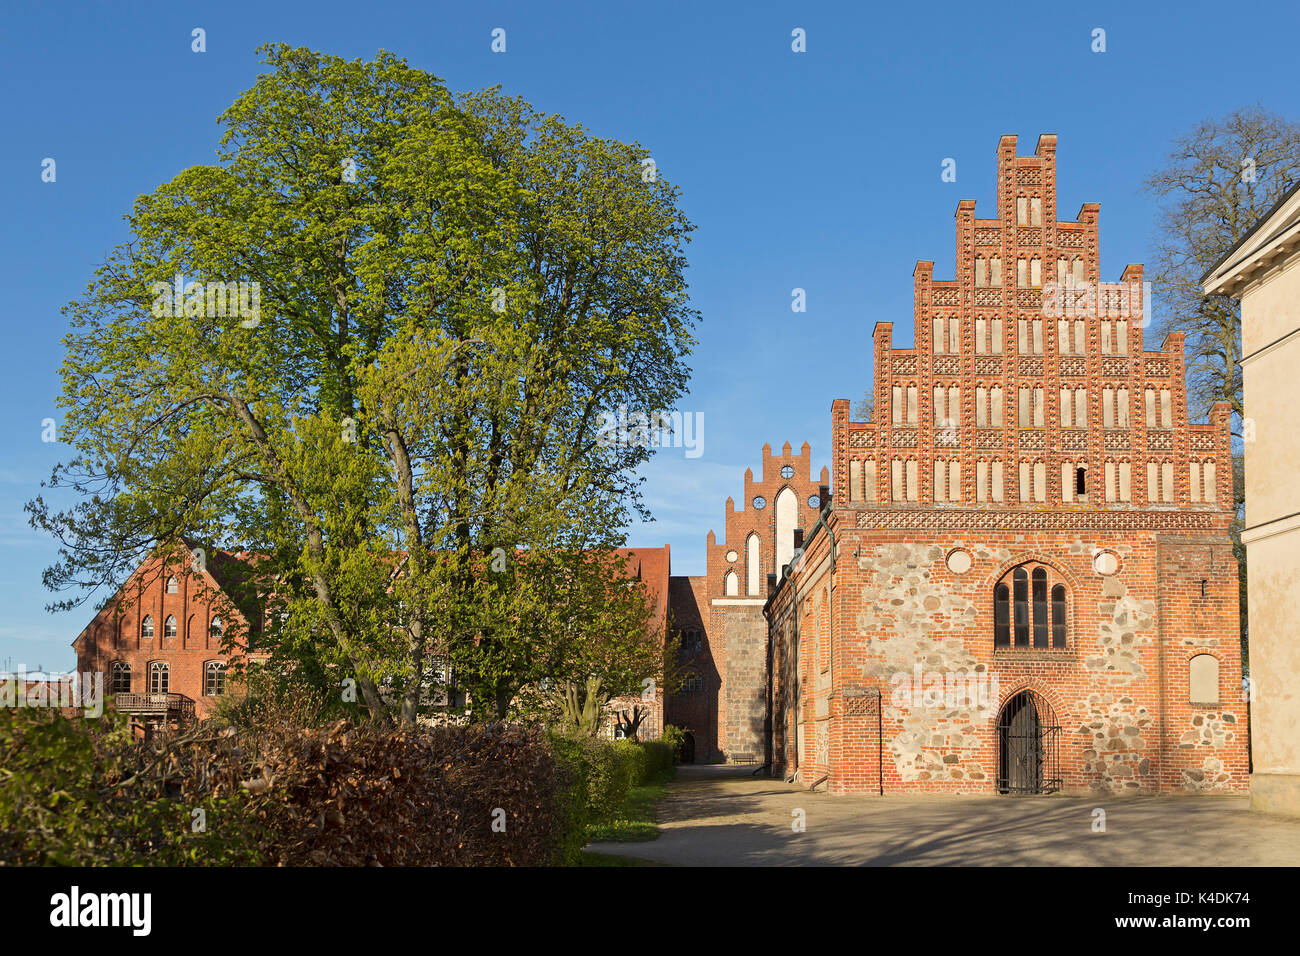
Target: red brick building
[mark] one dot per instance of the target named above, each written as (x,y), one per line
(1025,582)
(720,615)
(159,642)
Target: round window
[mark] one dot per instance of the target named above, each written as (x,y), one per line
(1105,562)
(732,556)
(760,502)
(814,502)
(787,472)
(959,561)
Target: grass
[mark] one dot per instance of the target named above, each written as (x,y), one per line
(635,822)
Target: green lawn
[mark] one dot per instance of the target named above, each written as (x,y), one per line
(635,823)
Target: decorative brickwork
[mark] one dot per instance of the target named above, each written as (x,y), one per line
(1032,520)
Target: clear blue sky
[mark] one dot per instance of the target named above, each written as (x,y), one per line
(817,170)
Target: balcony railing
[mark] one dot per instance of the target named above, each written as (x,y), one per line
(155,705)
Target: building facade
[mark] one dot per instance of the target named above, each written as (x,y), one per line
(159,644)
(1263,271)
(1025,581)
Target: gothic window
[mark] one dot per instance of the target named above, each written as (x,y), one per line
(904,476)
(1020,606)
(1001,617)
(730,584)
(1030,609)
(169,628)
(1114,408)
(753,566)
(214,629)
(947,480)
(214,679)
(171,586)
(146,628)
(120,678)
(159,675)
(988,480)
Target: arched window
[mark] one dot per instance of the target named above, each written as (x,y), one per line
(214,629)
(214,679)
(1030,609)
(1040,607)
(1001,616)
(753,568)
(169,628)
(120,678)
(1058,616)
(1020,607)
(730,584)
(159,677)
(171,585)
(146,628)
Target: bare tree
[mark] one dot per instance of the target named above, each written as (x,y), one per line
(1220,178)
(865,407)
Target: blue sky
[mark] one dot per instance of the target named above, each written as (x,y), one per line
(817,170)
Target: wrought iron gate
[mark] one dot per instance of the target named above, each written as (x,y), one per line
(1028,746)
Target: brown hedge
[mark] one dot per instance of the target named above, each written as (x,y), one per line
(342,795)
(363,796)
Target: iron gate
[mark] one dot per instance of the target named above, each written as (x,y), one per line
(1028,746)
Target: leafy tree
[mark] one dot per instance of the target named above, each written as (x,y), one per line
(446,295)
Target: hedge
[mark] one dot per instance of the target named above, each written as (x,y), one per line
(80,792)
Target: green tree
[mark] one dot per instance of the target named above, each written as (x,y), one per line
(446,294)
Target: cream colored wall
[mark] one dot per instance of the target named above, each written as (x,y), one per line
(1274,586)
(1271,310)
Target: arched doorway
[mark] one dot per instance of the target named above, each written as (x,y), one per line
(688,748)
(1028,760)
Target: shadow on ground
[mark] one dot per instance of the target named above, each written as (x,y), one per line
(725,816)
